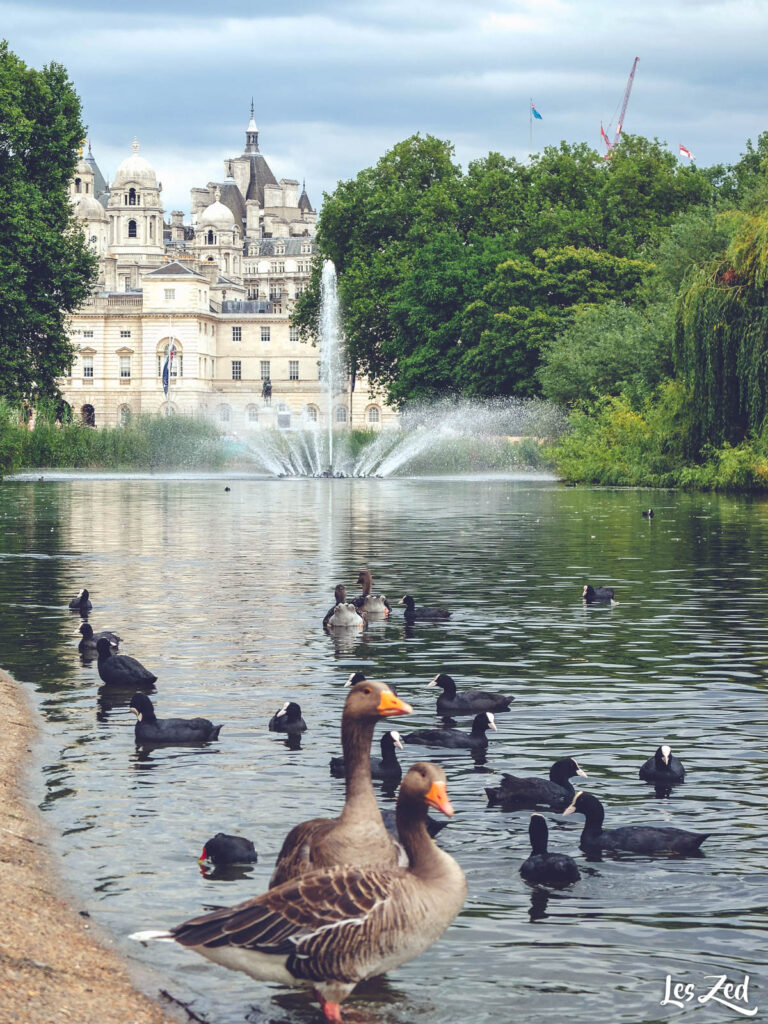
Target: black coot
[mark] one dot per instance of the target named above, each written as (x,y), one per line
(542,867)
(647,839)
(555,792)
(119,671)
(150,729)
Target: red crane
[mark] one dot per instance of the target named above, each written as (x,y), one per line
(612,145)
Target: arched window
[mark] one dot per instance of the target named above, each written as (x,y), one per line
(131,228)
(224,413)
(341,414)
(124,415)
(132,197)
(253,414)
(210,238)
(77,184)
(88,414)
(177,363)
(312,413)
(168,409)
(374,415)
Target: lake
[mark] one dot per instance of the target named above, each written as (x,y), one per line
(222,595)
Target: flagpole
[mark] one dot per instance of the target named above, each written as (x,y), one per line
(530,129)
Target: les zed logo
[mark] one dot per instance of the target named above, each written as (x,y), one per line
(726,993)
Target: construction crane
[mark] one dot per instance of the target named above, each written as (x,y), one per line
(612,145)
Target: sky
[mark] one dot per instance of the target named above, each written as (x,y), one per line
(336,83)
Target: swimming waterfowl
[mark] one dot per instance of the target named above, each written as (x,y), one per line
(423,614)
(555,792)
(454,737)
(119,671)
(542,867)
(81,602)
(288,719)
(358,835)
(663,768)
(597,595)
(331,929)
(647,839)
(150,729)
(372,604)
(648,513)
(466,702)
(90,639)
(343,615)
(225,849)
(387,767)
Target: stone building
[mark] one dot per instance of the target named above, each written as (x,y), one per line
(213,294)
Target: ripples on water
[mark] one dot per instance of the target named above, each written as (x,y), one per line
(222,595)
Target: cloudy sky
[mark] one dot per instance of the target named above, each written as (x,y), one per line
(338,82)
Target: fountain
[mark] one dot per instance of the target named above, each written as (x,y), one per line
(330,349)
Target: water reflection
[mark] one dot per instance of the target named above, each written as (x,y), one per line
(226,603)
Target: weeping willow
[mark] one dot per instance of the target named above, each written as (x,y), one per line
(721,344)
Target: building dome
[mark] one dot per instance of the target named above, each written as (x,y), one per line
(217,215)
(135,168)
(83,167)
(89,208)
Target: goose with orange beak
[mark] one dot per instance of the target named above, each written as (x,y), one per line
(358,836)
(332,928)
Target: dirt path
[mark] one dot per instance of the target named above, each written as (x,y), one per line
(54,967)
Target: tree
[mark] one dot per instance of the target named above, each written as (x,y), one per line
(47,267)
(721,343)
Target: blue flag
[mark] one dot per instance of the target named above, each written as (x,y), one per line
(536,114)
(166,377)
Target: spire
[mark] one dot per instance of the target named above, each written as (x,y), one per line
(252,135)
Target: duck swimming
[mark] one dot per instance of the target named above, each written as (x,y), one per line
(454,737)
(224,849)
(597,595)
(288,719)
(386,768)
(81,603)
(150,729)
(121,672)
(555,792)
(343,615)
(426,613)
(466,702)
(542,867)
(90,639)
(358,835)
(663,768)
(371,604)
(647,839)
(331,929)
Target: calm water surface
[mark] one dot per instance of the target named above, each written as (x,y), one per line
(222,595)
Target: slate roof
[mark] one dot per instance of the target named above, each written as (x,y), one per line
(174,269)
(291,246)
(247,306)
(261,175)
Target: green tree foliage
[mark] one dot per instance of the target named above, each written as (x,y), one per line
(46,266)
(721,344)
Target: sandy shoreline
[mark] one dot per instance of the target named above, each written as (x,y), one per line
(55,966)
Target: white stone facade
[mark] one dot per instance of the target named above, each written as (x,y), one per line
(217,291)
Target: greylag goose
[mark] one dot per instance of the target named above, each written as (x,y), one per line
(426,613)
(663,768)
(331,929)
(81,602)
(358,835)
(152,730)
(343,615)
(89,639)
(466,702)
(372,604)
(119,671)
(555,792)
(646,839)
(542,867)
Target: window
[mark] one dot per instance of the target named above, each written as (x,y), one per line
(253,414)
(293,369)
(125,334)
(264,368)
(87,334)
(209,238)
(265,334)
(278,268)
(237,369)
(312,413)
(89,415)
(124,415)
(299,290)
(87,367)
(306,247)
(373,414)
(125,367)
(237,334)
(275,291)
(170,293)
(279,249)
(341,414)
(132,229)
(224,413)
(132,197)
(293,334)
(177,363)
(77,184)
